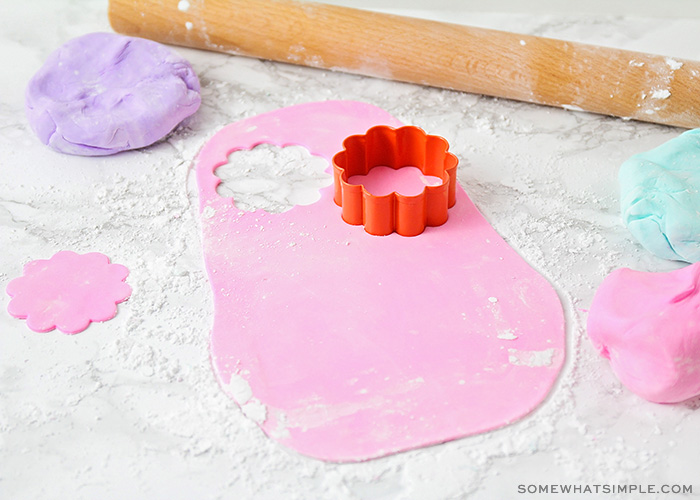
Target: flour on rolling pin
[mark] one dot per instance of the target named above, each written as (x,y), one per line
(527,68)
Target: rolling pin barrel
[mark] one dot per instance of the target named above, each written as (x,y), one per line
(527,68)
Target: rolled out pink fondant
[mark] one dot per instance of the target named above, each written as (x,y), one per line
(103,93)
(346,346)
(648,326)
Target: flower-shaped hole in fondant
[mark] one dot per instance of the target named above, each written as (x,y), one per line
(396,148)
(68,291)
(408,181)
(272,178)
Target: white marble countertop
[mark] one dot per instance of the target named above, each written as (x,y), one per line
(130,408)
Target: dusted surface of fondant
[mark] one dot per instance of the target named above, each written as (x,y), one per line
(647,325)
(103,93)
(660,197)
(347,346)
(68,291)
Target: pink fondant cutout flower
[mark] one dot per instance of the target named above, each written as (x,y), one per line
(68,291)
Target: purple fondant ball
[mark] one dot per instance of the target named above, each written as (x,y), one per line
(103,93)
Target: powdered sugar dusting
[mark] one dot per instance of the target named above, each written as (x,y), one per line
(507,335)
(661,94)
(239,389)
(673,64)
(531,358)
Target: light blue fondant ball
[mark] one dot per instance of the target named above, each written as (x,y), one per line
(660,198)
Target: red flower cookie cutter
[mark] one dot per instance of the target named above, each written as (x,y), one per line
(395,148)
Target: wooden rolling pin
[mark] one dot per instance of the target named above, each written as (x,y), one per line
(527,68)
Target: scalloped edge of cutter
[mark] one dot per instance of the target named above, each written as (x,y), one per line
(407,146)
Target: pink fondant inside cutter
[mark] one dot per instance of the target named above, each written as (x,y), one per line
(346,346)
(408,181)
